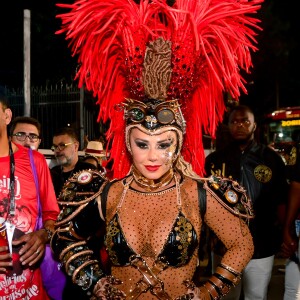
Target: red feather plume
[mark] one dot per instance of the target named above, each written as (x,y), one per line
(211,40)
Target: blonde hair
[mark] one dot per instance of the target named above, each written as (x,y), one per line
(185,168)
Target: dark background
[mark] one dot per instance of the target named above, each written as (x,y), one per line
(274,81)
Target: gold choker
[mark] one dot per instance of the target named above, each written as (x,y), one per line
(152,184)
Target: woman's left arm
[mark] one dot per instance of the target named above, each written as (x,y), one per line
(234,233)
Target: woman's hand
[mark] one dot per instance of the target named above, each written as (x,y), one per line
(105,290)
(193,292)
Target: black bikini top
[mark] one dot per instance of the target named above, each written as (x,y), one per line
(177,250)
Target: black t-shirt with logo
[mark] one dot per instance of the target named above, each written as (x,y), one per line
(262,172)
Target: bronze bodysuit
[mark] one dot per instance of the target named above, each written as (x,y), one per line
(152,237)
(156,227)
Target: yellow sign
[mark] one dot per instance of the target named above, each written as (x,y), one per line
(290,123)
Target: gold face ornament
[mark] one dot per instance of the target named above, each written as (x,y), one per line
(170,152)
(263,173)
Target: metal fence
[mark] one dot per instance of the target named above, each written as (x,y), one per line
(58,106)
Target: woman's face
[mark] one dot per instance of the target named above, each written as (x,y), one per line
(153,155)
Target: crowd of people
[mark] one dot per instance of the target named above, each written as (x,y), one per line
(130,227)
(243,159)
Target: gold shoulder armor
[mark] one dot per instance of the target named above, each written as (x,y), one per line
(231,195)
(79,190)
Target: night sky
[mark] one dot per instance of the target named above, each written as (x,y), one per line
(274,80)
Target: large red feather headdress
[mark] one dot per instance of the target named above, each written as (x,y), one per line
(211,42)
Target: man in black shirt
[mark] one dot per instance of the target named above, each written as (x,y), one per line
(65,147)
(262,172)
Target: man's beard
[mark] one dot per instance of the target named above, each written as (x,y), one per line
(62,160)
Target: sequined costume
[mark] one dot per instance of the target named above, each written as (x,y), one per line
(164,235)
(168,232)
(159,69)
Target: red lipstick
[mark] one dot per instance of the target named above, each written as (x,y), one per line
(152,168)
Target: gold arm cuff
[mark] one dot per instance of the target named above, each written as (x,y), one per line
(74,256)
(85,264)
(212,291)
(222,286)
(72,231)
(67,249)
(229,274)
(62,233)
(230,270)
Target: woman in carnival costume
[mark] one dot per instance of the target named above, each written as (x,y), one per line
(159,70)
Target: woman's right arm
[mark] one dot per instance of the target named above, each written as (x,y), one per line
(78,223)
